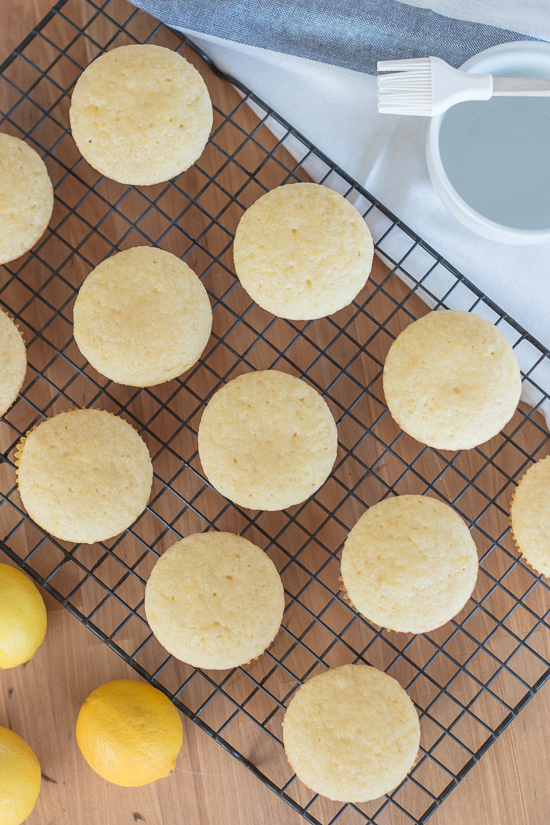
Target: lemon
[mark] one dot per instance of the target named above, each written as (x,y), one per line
(19,778)
(129,733)
(22,617)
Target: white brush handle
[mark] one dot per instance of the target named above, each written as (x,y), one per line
(521,86)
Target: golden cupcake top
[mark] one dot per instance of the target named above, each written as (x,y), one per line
(140,114)
(142,317)
(351,733)
(409,564)
(530,516)
(267,440)
(302,251)
(452,380)
(26,197)
(13,362)
(84,476)
(214,600)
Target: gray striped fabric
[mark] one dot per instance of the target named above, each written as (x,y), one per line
(350,33)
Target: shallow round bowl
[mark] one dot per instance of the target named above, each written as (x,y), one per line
(489,161)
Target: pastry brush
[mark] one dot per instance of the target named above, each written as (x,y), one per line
(429,86)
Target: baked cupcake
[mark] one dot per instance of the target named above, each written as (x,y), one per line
(267,440)
(84,475)
(452,380)
(409,564)
(530,516)
(140,114)
(13,362)
(351,734)
(26,198)
(214,600)
(302,251)
(142,317)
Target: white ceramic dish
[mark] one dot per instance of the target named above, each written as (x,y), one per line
(489,161)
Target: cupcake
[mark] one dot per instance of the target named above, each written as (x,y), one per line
(13,362)
(302,251)
(84,475)
(26,198)
(452,380)
(142,317)
(214,600)
(140,114)
(409,564)
(351,734)
(530,516)
(267,440)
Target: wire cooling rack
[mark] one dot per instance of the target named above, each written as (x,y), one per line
(470,678)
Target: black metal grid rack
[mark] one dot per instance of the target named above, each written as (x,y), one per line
(470,678)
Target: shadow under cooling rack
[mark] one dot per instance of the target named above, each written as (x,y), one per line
(468,679)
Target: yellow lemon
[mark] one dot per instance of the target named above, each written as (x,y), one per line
(129,733)
(22,617)
(19,778)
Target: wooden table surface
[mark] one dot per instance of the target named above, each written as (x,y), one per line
(40,701)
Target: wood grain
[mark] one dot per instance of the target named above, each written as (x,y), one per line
(40,701)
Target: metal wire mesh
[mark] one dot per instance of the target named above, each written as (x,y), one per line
(470,678)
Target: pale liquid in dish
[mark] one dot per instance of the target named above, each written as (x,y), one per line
(496,155)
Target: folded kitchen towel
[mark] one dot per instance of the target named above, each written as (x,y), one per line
(314,61)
